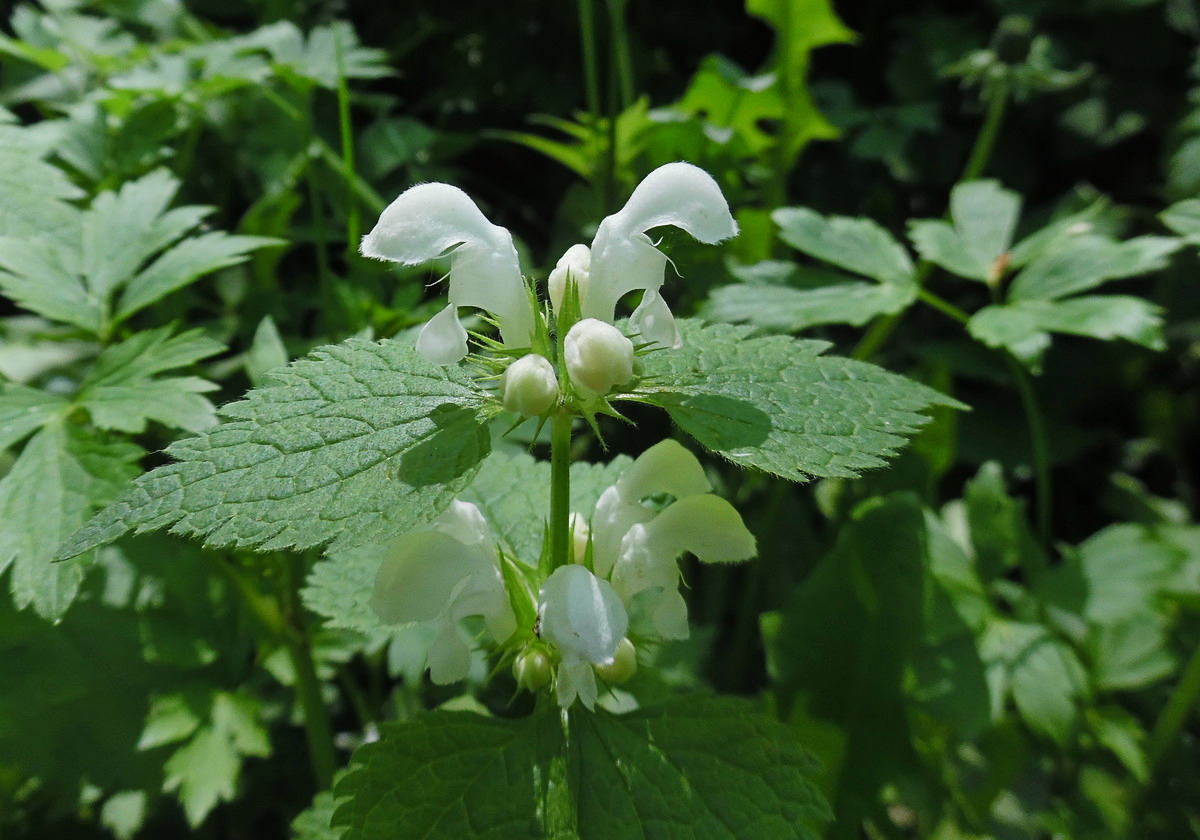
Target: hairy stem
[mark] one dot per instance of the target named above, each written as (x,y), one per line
(560,487)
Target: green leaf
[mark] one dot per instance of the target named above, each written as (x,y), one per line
(1024,327)
(62,475)
(775,404)
(42,275)
(1085,262)
(984,216)
(452,775)
(1045,678)
(314,823)
(205,770)
(33,193)
(266,352)
(800,27)
(857,245)
(838,652)
(121,393)
(190,259)
(999,530)
(1184,218)
(1121,733)
(359,442)
(512,490)
(1130,654)
(71,274)
(784,309)
(698,767)
(24,410)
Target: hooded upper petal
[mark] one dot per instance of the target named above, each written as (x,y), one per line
(429,220)
(622,256)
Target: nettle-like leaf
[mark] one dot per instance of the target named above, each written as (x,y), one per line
(61,476)
(127,242)
(857,245)
(512,490)
(698,767)
(775,404)
(359,442)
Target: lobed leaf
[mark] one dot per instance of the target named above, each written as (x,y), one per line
(858,245)
(983,216)
(62,475)
(359,442)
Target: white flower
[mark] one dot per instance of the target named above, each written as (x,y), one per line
(529,386)
(583,617)
(598,357)
(636,548)
(426,222)
(440,576)
(622,257)
(576,263)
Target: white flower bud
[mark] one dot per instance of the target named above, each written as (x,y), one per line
(623,664)
(598,357)
(532,669)
(579,537)
(529,386)
(578,262)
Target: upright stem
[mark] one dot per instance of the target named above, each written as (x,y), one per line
(283,619)
(560,487)
(1039,445)
(981,154)
(985,141)
(353,224)
(317,729)
(591,68)
(1181,702)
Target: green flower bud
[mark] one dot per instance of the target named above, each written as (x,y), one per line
(529,386)
(622,666)
(532,670)
(598,357)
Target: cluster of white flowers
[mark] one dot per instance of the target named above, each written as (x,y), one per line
(433,220)
(661,507)
(622,584)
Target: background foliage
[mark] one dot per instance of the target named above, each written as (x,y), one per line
(996,635)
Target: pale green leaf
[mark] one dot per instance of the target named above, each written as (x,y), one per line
(42,275)
(1184,218)
(983,218)
(190,259)
(357,443)
(171,719)
(1130,654)
(1024,327)
(1085,262)
(206,769)
(60,477)
(314,822)
(266,352)
(785,309)
(24,410)
(1043,675)
(33,193)
(114,240)
(857,245)
(120,393)
(1121,733)
(776,404)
